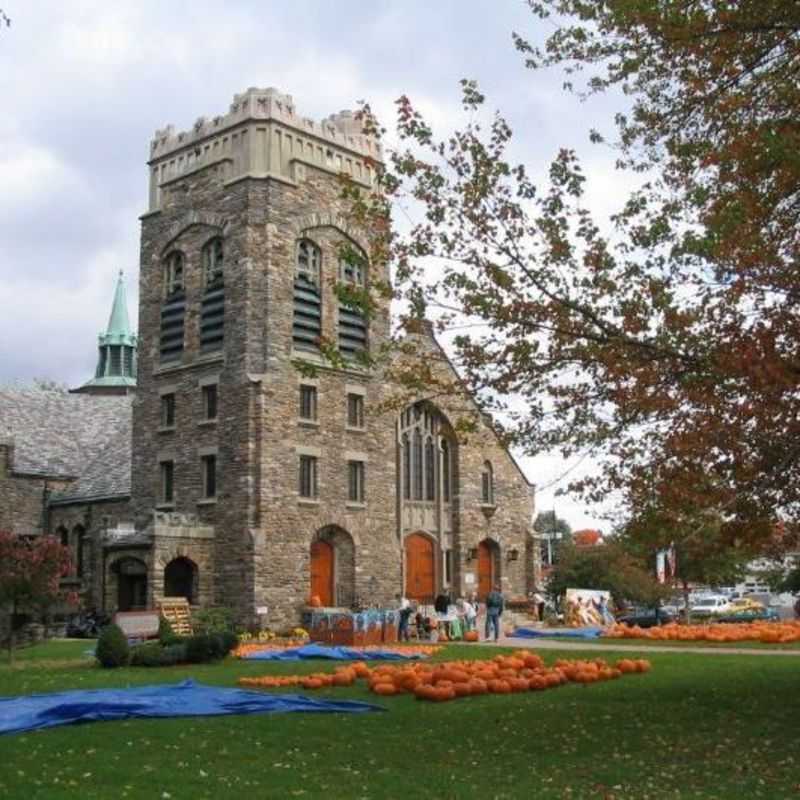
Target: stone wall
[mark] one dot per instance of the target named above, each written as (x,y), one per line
(89,521)
(22,496)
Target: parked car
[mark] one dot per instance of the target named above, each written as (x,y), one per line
(752,615)
(745,604)
(646,617)
(711,605)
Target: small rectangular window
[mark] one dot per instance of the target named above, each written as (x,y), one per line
(167,481)
(167,410)
(355,481)
(210,401)
(209,476)
(448,566)
(308,402)
(308,476)
(355,411)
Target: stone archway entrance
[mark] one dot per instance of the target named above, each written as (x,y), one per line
(333,567)
(131,584)
(488,558)
(420,568)
(180,579)
(322,571)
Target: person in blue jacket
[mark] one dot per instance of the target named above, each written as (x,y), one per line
(495,603)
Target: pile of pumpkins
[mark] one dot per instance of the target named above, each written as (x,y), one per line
(520,672)
(766,632)
(420,650)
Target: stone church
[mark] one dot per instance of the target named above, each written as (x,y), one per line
(229,476)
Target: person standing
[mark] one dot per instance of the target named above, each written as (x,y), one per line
(470,615)
(495,603)
(538,601)
(404,613)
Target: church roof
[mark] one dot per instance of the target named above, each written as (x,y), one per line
(79,436)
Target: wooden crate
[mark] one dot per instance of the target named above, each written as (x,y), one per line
(177,612)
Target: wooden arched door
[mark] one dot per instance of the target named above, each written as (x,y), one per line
(322,571)
(420,568)
(486,568)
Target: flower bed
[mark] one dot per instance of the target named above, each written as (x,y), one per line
(766,632)
(521,672)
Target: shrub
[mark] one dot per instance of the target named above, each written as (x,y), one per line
(213,620)
(173,654)
(166,633)
(147,655)
(112,647)
(201,648)
(229,642)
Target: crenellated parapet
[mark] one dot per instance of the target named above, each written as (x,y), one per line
(263,136)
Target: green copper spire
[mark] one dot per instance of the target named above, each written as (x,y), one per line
(116,363)
(118,323)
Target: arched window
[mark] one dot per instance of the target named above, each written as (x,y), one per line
(423,433)
(174,273)
(78,533)
(446,470)
(307,322)
(173,311)
(430,470)
(179,578)
(212,306)
(213,260)
(417,468)
(352,319)
(487,484)
(406,467)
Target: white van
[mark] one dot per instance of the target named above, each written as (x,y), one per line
(712,604)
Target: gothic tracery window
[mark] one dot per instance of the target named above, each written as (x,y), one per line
(213,260)
(352,319)
(487,484)
(307,321)
(426,455)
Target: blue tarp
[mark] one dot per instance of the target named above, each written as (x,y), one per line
(334,653)
(186,699)
(566,633)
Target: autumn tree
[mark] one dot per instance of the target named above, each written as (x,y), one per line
(707,550)
(666,344)
(609,567)
(30,573)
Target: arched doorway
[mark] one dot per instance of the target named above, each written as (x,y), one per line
(322,569)
(180,578)
(420,568)
(488,557)
(131,584)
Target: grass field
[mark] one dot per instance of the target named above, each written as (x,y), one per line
(696,726)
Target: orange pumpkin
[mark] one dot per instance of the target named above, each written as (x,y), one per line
(471,636)
(314,601)
(384,689)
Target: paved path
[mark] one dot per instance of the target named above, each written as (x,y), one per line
(594,644)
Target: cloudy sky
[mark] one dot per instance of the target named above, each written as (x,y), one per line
(85,83)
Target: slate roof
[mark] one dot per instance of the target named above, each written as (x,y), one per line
(82,436)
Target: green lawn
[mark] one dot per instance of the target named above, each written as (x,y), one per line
(696,726)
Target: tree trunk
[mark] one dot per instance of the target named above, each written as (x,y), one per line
(686,606)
